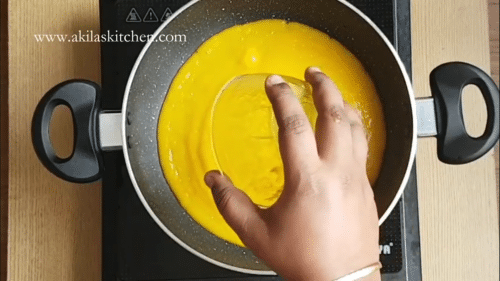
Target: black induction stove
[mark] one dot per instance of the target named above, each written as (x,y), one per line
(134,246)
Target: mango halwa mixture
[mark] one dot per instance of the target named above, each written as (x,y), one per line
(244,149)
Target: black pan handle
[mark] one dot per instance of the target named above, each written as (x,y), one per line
(455,146)
(85,164)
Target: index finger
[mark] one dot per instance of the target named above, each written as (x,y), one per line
(296,136)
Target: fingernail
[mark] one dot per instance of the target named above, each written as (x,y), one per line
(209,179)
(315,69)
(275,80)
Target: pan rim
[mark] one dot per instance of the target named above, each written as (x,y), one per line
(143,200)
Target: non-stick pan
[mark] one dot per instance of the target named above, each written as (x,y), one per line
(134,129)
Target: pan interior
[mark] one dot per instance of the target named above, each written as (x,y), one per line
(160,62)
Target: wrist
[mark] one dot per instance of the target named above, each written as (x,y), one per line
(376,276)
(369,273)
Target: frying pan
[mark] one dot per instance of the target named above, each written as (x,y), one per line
(134,129)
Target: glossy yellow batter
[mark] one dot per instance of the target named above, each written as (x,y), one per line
(185,128)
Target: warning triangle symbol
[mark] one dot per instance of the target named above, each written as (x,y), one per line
(166,15)
(133,16)
(150,16)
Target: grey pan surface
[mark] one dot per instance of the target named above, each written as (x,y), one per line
(199,20)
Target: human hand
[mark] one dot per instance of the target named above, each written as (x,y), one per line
(325,224)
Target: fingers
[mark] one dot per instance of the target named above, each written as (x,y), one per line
(359,141)
(333,129)
(237,208)
(297,142)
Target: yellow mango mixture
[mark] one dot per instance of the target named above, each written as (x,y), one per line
(245,146)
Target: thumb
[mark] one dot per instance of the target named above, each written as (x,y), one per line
(236,207)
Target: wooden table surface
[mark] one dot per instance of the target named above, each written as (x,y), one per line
(54,227)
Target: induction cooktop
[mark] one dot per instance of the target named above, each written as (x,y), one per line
(134,246)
